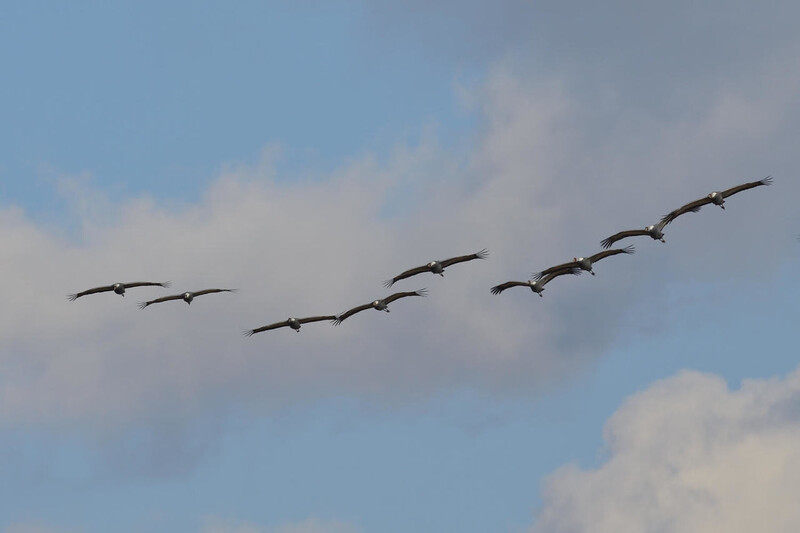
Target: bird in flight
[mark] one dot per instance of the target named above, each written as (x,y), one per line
(378,305)
(292,322)
(436,267)
(716,198)
(655,232)
(584,263)
(118,288)
(536,286)
(186,297)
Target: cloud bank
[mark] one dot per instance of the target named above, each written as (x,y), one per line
(688,454)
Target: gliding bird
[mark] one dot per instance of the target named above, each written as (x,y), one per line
(436,267)
(118,288)
(186,296)
(535,286)
(716,198)
(292,322)
(584,263)
(654,232)
(378,305)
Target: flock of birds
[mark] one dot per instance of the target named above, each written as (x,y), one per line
(536,283)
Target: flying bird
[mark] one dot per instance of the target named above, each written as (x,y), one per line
(186,296)
(118,288)
(716,198)
(436,267)
(292,322)
(536,286)
(378,305)
(654,232)
(584,263)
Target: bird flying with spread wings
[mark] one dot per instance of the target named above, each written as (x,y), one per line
(655,232)
(536,286)
(584,263)
(186,296)
(716,198)
(292,322)
(378,305)
(436,267)
(118,288)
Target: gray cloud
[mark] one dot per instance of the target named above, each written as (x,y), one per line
(688,454)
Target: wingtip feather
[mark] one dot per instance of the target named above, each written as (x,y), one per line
(72,297)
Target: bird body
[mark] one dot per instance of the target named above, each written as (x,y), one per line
(536,286)
(117,288)
(584,263)
(436,267)
(655,232)
(187,297)
(378,305)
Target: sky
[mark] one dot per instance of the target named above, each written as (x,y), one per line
(303,153)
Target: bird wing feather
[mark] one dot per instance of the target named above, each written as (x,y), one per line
(607,242)
(483,254)
(497,289)
(73,297)
(407,274)
(691,207)
(276,325)
(563,266)
(745,186)
(396,296)
(607,253)
(350,312)
(142,305)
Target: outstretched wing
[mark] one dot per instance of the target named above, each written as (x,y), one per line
(606,243)
(316,319)
(340,318)
(607,253)
(142,305)
(497,289)
(398,295)
(73,297)
(276,325)
(745,186)
(211,291)
(407,274)
(548,278)
(558,268)
(147,284)
(691,207)
(483,254)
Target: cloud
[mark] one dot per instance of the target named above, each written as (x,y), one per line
(550,173)
(688,454)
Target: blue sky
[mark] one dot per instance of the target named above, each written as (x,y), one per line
(219,145)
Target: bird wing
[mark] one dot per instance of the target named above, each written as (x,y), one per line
(607,253)
(146,284)
(553,275)
(340,318)
(276,325)
(606,243)
(210,291)
(142,305)
(73,297)
(316,318)
(497,289)
(745,186)
(563,266)
(691,207)
(398,295)
(483,254)
(407,274)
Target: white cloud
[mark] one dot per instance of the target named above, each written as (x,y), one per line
(688,454)
(551,173)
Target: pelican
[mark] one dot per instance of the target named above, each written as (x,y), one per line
(436,267)
(186,296)
(536,286)
(378,305)
(118,288)
(584,263)
(716,198)
(654,232)
(292,322)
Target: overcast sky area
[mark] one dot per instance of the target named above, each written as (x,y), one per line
(303,153)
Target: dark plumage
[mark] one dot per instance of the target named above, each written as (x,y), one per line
(185,296)
(118,288)
(292,322)
(536,286)
(378,305)
(436,267)
(654,232)
(716,198)
(584,263)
